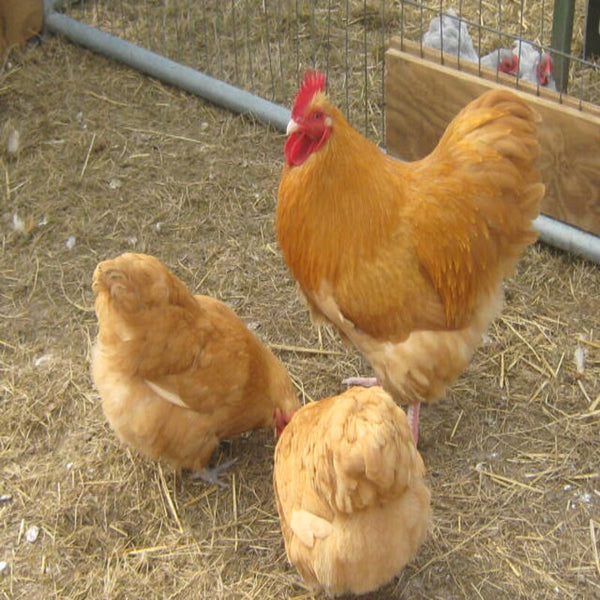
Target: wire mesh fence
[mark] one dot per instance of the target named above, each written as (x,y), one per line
(264,46)
(527,28)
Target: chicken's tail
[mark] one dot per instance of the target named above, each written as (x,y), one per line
(371,447)
(493,146)
(480,186)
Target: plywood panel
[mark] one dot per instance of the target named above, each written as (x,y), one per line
(423,96)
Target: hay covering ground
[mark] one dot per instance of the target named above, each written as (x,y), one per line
(121,162)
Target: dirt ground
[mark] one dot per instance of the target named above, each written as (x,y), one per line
(111,161)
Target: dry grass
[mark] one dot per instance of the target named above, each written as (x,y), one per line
(122,162)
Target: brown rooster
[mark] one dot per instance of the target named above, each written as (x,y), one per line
(406,259)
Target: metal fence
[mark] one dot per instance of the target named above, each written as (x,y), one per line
(264,46)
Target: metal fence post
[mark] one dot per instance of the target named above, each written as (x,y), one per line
(562,32)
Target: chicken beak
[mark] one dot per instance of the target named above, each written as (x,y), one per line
(292,126)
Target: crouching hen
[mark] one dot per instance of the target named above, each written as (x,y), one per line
(177,373)
(352,501)
(406,259)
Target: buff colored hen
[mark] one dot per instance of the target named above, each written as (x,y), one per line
(177,373)
(350,491)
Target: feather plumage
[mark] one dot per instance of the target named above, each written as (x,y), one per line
(351,496)
(406,260)
(177,372)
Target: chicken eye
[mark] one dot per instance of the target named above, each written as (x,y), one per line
(317,116)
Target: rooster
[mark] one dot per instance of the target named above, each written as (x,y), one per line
(177,373)
(406,259)
(350,490)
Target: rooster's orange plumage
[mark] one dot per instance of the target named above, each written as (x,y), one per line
(406,259)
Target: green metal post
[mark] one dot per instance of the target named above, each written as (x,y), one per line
(562,32)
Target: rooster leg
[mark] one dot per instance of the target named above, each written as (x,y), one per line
(362,381)
(212,475)
(413,420)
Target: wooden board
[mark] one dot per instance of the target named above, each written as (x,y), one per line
(422,97)
(19,20)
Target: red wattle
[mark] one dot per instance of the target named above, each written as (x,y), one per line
(300,146)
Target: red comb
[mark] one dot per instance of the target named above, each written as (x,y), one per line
(313,82)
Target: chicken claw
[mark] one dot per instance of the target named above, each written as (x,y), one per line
(211,475)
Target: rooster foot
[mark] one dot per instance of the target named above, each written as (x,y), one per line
(211,475)
(362,381)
